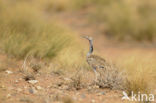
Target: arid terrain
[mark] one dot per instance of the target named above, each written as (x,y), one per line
(52,67)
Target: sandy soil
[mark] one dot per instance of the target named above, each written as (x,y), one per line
(50,88)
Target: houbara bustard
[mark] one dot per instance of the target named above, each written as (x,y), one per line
(106,75)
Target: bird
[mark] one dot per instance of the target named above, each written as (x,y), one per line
(96,62)
(107,75)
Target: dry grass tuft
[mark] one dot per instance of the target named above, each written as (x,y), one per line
(111,77)
(21,36)
(77,80)
(81,78)
(140,72)
(134,22)
(41,38)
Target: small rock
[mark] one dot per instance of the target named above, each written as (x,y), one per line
(65,87)
(67,79)
(16,81)
(101,93)
(9,95)
(96,87)
(32,90)
(8,71)
(33,81)
(92,101)
(39,87)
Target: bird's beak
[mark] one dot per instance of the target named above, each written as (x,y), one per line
(84,37)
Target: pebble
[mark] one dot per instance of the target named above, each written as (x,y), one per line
(16,81)
(33,81)
(67,79)
(64,87)
(32,90)
(96,87)
(8,71)
(39,87)
(101,93)
(9,95)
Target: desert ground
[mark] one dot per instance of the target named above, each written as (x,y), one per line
(49,65)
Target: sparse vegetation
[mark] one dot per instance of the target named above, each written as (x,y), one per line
(140,72)
(112,78)
(128,19)
(26,32)
(54,49)
(123,19)
(77,80)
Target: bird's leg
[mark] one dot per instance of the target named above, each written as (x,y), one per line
(96,75)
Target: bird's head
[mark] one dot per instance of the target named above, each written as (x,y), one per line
(91,44)
(87,37)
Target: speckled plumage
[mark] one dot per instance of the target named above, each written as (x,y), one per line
(97,62)
(106,75)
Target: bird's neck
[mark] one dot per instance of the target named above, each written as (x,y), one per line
(90,49)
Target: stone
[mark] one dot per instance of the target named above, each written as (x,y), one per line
(67,79)
(65,87)
(39,87)
(32,90)
(16,81)
(8,95)
(8,72)
(33,81)
(101,93)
